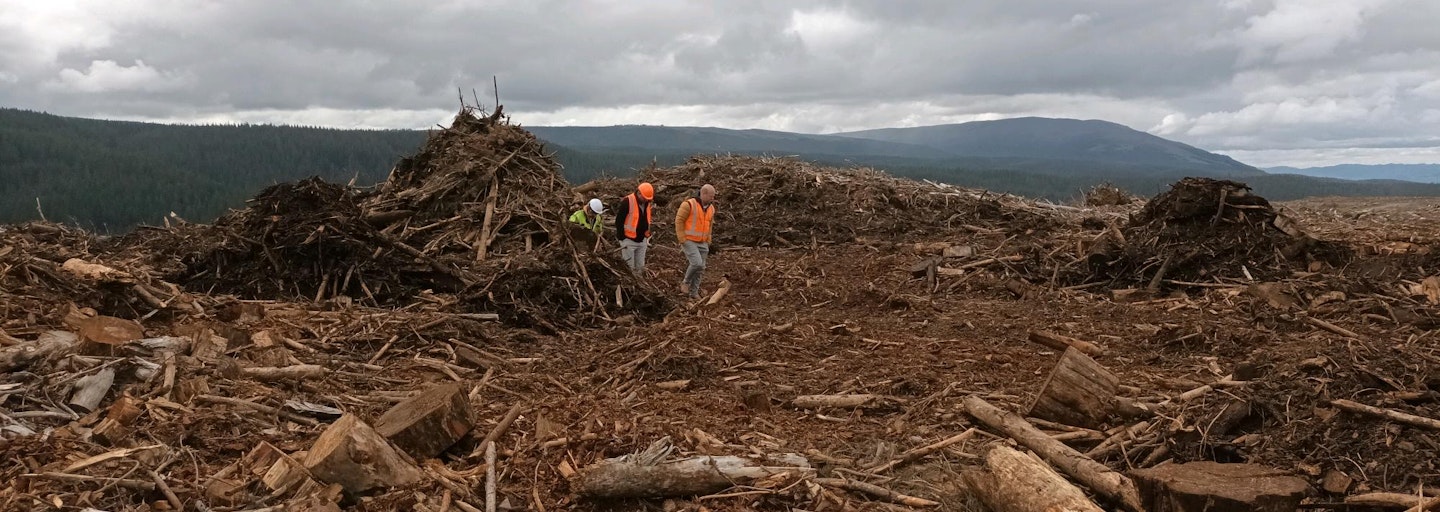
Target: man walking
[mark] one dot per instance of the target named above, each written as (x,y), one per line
(693,222)
(632,226)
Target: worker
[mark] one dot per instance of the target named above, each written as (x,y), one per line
(589,216)
(693,222)
(632,226)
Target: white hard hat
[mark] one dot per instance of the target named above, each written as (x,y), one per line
(597,206)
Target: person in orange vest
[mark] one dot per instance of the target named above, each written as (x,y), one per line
(632,226)
(693,223)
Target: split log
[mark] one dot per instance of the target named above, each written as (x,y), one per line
(1214,487)
(1059,342)
(296,372)
(48,345)
(108,330)
(719,293)
(643,475)
(1100,478)
(91,390)
(1016,482)
(858,401)
(109,432)
(1392,415)
(429,423)
(1078,392)
(352,454)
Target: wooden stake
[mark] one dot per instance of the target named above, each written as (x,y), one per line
(489,476)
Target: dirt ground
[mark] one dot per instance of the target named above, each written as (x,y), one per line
(833,315)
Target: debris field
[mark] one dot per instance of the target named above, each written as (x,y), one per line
(444,341)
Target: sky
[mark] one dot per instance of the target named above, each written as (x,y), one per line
(1270,82)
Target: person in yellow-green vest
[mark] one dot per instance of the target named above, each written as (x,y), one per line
(693,223)
(589,216)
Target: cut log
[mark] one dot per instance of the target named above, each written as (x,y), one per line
(860,401)
(1078,392)
(643,475)
(352,454)
(125,410)
(1214,487)
(208,347)
(1395,416)
(296,372)
(428,423)
(719,293)
(1059,342)
(1016,482)
(91,390)
(49,344)
(1098,477)
(109,432)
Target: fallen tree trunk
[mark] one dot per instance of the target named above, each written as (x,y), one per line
(1078,392)
(1097,476)
(48,345)
(1016,482)
(1059,342)
(353,455)
(429,423)
(642,475)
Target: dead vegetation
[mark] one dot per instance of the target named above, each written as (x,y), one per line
(441,343)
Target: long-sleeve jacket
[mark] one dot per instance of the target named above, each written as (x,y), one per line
(682,220)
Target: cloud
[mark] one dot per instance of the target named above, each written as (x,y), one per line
(106,76)
(1234,75)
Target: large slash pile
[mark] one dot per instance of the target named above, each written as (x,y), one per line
(1202,229)
(477,213)
(785,201)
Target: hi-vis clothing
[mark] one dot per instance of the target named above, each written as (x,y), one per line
(580,218)
(631,223)
(693,221)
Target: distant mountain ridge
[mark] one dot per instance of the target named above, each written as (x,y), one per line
(1061,139)
(1418,173)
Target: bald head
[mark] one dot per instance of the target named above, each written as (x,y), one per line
(707,194)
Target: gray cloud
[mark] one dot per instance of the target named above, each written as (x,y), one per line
(1270,81)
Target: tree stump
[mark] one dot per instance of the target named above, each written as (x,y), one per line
(1016,482)
(1079,392)
(1215,487)
(352,454)
(427,424)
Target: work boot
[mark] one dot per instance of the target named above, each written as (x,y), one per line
(685,289)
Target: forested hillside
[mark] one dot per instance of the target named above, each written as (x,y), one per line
(111,175)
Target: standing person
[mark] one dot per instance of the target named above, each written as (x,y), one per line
(632,226)
(693,222)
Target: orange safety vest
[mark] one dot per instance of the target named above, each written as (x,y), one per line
(697,226)
(632,218)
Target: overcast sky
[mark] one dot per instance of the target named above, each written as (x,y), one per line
(1271,82)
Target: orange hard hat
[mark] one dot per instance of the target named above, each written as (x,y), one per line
(647,191)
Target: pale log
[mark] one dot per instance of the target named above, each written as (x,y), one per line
(643,475)
(1016,482)
(49,344)
(858,401)
(352,454)
(428,423)
(1059,342)
(1078,392)
(296,372)
(1098,477)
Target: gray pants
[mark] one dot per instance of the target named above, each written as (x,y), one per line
(634,254)
(695,253)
